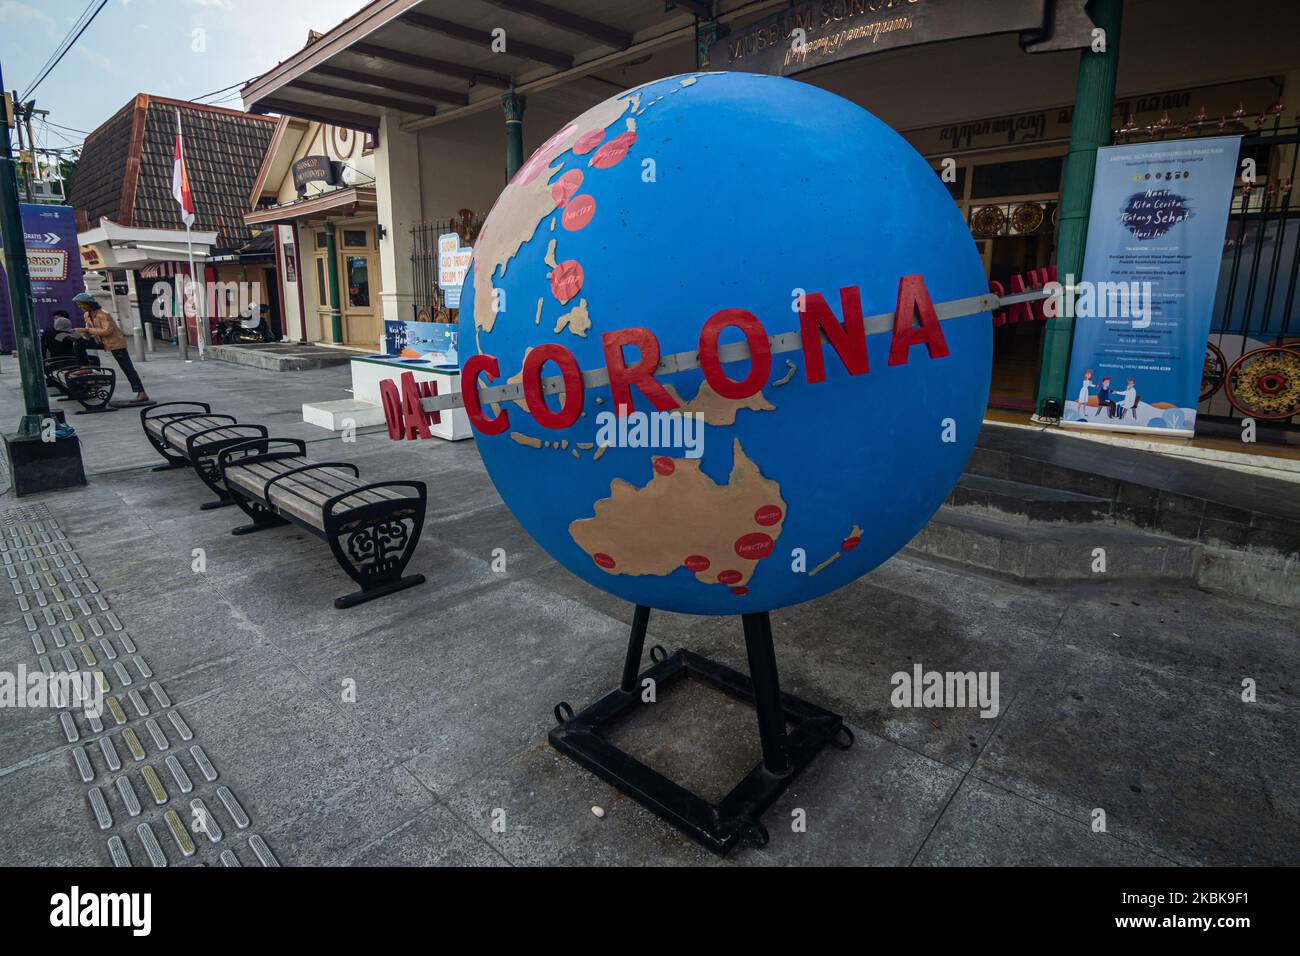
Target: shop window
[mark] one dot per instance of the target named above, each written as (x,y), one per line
(320,281)
(1025,177)
(355,239)
(322,242)
(358,282)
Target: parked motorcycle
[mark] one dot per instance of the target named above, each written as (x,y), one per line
(250,327)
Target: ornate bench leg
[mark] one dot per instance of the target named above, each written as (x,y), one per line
(254,450)
(205,465)
(205,455)
(374,542)
(369,594)
(262,516)
(93,390)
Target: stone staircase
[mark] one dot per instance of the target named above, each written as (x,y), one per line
(1050,509)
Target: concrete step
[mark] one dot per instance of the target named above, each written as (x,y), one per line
(1023,502)
(1055,553)
(282,356)
(1196,502)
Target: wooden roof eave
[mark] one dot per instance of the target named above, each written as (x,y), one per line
(268,161)
(319,114)
(347,201)
(642,43)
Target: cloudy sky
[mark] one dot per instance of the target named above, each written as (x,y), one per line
(149,46)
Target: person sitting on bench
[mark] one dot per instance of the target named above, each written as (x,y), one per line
(59,342)
(101,325)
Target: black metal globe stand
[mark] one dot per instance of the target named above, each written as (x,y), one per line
(786,752)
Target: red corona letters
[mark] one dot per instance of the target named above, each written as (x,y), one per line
(916,322)
(914,300)
(573,387)
(475,365)
(622,376)
(760,354)
(848,340)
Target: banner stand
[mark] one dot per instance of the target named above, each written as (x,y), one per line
(1105,429)
(1151,267)
(737,817)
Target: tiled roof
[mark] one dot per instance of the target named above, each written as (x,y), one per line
(133,153)
(97,186)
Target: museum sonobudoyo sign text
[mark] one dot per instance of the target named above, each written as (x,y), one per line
(818,32)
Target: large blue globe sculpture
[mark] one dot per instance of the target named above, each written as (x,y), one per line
(659,208)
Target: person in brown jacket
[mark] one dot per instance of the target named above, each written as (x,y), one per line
(101,325)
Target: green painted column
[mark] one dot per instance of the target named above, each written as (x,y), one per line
(36,400)
(514,104)
(1094,99)
(332,276)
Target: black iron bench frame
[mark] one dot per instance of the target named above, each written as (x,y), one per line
(201,456)
(56,368)
(370,540)
(89,383)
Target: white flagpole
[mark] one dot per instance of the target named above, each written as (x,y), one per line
(198,287)
(182,330)
(197,296)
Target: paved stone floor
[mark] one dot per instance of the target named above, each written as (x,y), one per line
(1115,699)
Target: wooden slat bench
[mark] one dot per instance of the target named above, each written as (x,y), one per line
(372,529)
(87,383)
(193,438)
(57,368)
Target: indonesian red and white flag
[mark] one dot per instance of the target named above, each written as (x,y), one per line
(181,179)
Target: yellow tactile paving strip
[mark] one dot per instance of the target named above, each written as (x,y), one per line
(60,602)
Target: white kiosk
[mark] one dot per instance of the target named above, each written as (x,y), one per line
(365,408)
(428,350)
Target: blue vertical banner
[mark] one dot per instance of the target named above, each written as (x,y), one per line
(1150,273)
(453,263)
(54,261)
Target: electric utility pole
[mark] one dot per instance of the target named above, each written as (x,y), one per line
(38,459)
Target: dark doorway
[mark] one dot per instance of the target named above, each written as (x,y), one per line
(1017,346)
(148,292)
(271,283)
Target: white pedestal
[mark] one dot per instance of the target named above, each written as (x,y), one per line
(336,415)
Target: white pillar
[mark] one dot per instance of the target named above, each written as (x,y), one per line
(397,191)
(290,304)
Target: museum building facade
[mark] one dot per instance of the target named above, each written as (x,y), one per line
(450,97)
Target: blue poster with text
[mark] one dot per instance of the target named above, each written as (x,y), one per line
(54,262)
(1143,308)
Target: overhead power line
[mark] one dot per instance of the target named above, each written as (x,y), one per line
(50,130)
(72,29)
(232,86)
(68,128)
(63,52)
